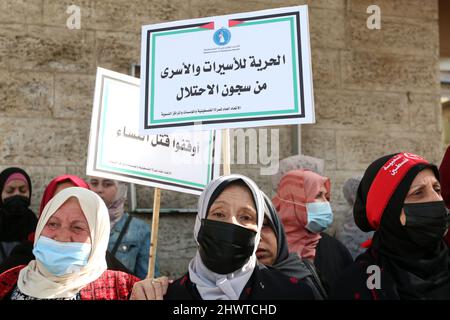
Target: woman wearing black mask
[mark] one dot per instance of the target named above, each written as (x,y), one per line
(17,221)
(227,230)
(400,198)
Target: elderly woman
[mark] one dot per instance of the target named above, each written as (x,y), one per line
(399,197)
(23,253)
(17,221)
(70,244)
(129,240)
(302,201)
(227,230)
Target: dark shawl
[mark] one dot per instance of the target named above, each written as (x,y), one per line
(415,273)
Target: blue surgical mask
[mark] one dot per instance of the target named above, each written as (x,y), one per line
(61,258)
(320,216)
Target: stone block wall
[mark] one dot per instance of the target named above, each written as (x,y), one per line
(376,91)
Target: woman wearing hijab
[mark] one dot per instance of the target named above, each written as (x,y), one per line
(129,239)
(348,233)
(302,201)
(17,221)
(273,252)
(23,253)
(70,244)
(399,197)
(227,230)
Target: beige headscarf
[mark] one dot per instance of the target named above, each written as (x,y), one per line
(34,280)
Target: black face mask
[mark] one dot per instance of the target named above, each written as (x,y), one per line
(16,220)
(426,222)
(225,247)
(15,206)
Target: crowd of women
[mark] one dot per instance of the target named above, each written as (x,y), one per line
(82,245)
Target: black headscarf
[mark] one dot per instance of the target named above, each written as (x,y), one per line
(288,263)
(416,272)
(17,224)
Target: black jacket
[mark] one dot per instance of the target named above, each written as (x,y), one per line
(265,284)
(331,259)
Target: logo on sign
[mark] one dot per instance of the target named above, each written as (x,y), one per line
(222,37)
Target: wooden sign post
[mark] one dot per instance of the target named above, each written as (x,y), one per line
(154,235)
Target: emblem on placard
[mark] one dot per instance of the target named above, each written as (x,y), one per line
(222,37)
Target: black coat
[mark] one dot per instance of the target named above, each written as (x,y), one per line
(352,285)
(264,284)
(331,259)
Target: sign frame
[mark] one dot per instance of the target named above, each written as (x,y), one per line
(96,165)
(303,111)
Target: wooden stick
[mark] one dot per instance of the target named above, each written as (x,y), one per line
(226,151)
(154,235)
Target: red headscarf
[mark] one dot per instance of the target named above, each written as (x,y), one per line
(296,188)
(51,187)
(444,172)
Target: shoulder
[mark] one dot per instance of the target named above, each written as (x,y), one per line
(331,241)
(119,277)
(8,280)
(269,283)
(138,223)
(111,285)
(328,243)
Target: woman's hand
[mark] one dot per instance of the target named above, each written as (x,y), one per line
(150,289)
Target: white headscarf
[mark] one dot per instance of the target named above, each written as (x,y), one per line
(211,285)
(34,280)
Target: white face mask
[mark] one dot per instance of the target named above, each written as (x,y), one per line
(61,258)
(320,216)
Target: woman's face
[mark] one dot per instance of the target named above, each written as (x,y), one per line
(235,205)
(268,247)
(68,224)
(105,188)
(322,195)
(15,188)
(424,188)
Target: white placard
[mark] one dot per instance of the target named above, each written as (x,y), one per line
(241,70)
(184,162)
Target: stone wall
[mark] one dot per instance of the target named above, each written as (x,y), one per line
(376,91)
